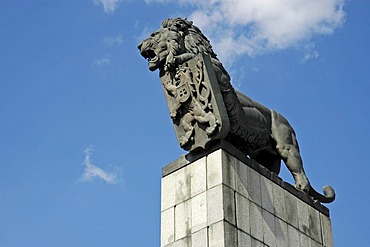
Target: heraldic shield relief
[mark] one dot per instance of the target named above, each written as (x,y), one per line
(195,103)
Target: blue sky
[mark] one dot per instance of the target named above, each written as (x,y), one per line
(85,130)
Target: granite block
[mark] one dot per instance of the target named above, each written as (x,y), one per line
(281,232)
(256,243)
(291,209)
(199,212)
(315,224)
(216,236)
(279,202)
(167,226)
(254,187)
(241,178)
(242,213)
(305,241)
(268,228)
(183,220)
(200,238)
(168,192)
(182,184)
(267,194)
(326,231)
(214,169)
(229,205)
(303,217)
(231,234)
(198,179)
(293,237)
(256,219)
(244,240)
(220,169)
(215,204)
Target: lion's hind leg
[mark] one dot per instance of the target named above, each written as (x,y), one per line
(186,124)
(205,117)
(288,149)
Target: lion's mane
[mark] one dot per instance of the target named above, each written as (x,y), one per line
(193,41)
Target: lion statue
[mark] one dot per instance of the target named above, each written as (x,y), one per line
(263,134)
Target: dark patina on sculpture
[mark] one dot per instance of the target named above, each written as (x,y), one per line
(204,106)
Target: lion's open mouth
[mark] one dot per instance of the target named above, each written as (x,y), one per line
(150,55)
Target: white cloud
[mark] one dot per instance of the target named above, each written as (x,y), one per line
(238,27)
(109,5)
(92,171)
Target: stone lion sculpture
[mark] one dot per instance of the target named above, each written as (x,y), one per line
(262,133)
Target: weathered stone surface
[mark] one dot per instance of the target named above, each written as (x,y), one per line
(183,220)
(269,235)
(315,244)
(279,202)
(182,185)
(215,204)
(214,169)
(220,215)
(185,160)
(303,217)
(256,221)
(229,205)
(220,204)
(291,209)
(244,240)
(168,192)
(242,213)
(231,234)
(216,237)
(281,232)
(267,194)
(326,231)
(199,212)
(315,224)
(256,243)
(304,240)
(254,187)
(184,242)
(220,169)
(293,237)
(167,226)
(241,178)
(200,238)
(198,176)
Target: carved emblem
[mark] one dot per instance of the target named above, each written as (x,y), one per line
(191,91)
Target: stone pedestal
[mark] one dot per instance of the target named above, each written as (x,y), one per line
(223,199)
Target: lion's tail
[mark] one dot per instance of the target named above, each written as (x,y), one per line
(328,197)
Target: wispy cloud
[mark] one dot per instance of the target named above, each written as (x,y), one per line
(109,5)
(113,41)
(310,52)
(92,171)
(101,62)
(253,27)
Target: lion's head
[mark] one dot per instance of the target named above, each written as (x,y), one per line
(177,41)
(160,47)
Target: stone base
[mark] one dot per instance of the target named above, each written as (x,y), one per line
(223,199)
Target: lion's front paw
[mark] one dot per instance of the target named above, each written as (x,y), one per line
(301,182)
